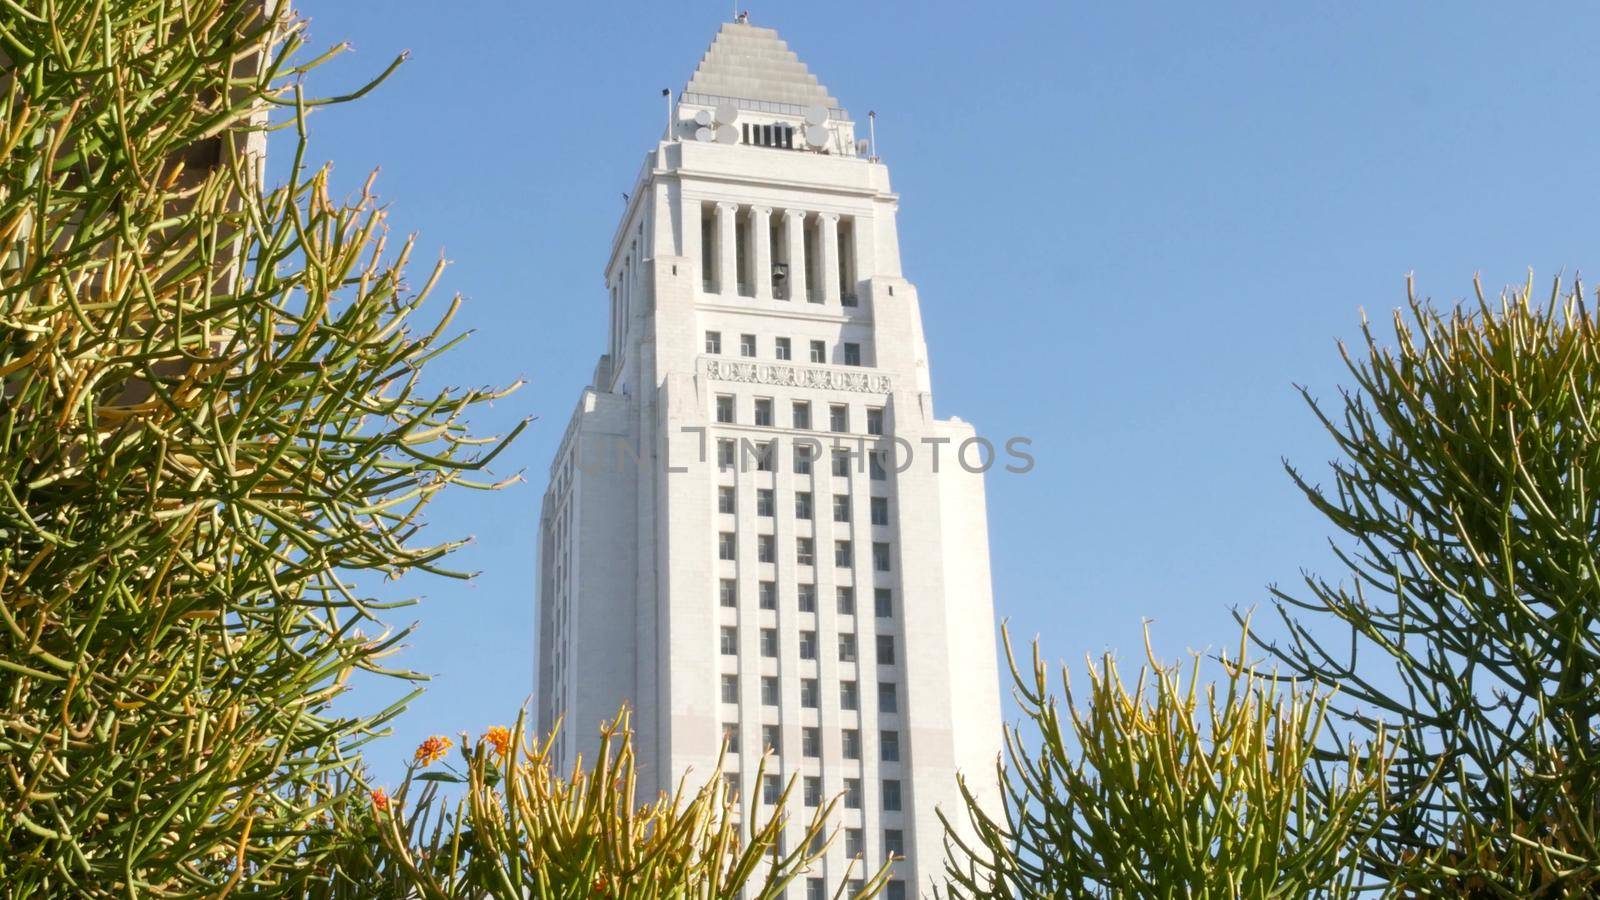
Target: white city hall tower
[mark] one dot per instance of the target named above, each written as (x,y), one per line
(756,530)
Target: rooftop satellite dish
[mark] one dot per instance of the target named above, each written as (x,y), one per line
(704,134)
(817,115)
(727,113)
(727,134)
(702,117)
(816,135)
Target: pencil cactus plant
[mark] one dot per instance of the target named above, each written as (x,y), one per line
(212,428)
(522,829)
(1171,787)
(1464,621)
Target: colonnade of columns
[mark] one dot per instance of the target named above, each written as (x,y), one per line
(758,279)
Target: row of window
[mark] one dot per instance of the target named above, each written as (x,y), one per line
(799,415)
(848,354)
(806,594)
(772,791)
(808,645)
(817,888)
(805,553)
(811,693)
(767,502)
(765,454)
(811,743)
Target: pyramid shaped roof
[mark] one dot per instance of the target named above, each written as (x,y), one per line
(751,63)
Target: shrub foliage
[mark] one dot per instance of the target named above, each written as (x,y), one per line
(212,424)
(1166,789)
(1465,620)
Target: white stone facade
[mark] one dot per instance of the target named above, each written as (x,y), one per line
(757,300)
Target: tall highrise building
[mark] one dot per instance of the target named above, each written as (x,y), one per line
(756,529)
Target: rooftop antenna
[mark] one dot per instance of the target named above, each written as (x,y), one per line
(872,134)
(672,132)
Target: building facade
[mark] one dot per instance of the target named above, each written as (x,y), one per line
(756,530)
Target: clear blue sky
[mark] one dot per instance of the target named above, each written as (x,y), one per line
(1133,226)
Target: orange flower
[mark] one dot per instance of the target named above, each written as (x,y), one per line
(499,739)
(432,750)
(380,800)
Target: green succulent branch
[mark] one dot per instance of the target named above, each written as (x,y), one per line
(1163,789)
(213,422)
(1466,614)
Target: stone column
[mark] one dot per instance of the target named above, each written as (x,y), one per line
(828,248)
(761,252)
(727,250)
(794,232)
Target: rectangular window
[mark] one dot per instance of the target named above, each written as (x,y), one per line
(813,790)
(725,545)
(771,789)
(808,597)
(727,453)
(841,507)
(730,736)
(805,553)
(847,648)
(880,556)
(771,738)
(766,457)
(889,746)
(769,690)
(713,342)
(841,554)
(764,411)
(850,743)
(747,345)
(880,510)
(781,348)
(802,458)
(730,689)
(802,414)
(811,742)
(883,602)
(768,594)
(849,697)
(802,505)
(888,698)
(725,500)
(769,642)
(895,890)
(894,843)
(766,548)
(816,889)
(891,795)
(731,782)
(847,601)
(874,420)
(838,417)
(841,463)
(854,842)
(730,641)
(728,592)
(852,793)
(875,466)
(819,351)
(810,693)
(766,499)
(885,649)
(852,354)
(725,408)
(808,645)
